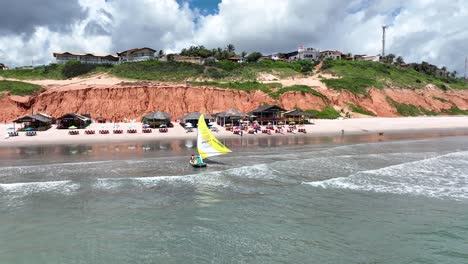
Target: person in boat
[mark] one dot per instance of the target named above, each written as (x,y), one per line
(199,159)
(192,159)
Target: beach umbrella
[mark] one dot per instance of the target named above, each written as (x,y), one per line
(146,125)
(11,128)
(29,129)
(188,124)
(162,126)
(72,127)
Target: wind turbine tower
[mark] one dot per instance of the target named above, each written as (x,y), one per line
(384,27)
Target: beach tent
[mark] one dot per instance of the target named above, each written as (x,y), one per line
(157,118)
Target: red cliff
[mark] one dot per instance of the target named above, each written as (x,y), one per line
(132,102)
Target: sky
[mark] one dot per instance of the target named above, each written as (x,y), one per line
(419,30)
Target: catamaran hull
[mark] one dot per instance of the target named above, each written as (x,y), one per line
(198,165)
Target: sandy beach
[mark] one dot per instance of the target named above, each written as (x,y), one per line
(359,126)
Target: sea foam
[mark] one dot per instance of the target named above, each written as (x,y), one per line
(444,176)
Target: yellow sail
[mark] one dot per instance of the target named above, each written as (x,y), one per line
(207,144)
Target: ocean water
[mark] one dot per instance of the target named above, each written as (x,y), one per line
(274,200)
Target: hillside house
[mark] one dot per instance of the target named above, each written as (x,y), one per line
(236,59)
(138,54)
(375,58)
(64,57)
(190,59)
(331,54)
(304,54)
(3,67)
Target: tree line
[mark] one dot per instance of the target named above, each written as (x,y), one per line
(219,53)
(423,67)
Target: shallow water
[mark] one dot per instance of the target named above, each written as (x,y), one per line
(274,200)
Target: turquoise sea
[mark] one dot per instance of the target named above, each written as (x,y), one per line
(368,200)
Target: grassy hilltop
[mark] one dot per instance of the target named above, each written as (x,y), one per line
(357,76)
(353,76)
(18,88)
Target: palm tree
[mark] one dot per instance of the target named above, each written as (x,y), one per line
(243,54)
(231,48)
(399,60)
(161,54)
(389,58)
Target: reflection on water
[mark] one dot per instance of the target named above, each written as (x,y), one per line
(167,148)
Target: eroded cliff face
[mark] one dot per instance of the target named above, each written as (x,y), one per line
(132,102)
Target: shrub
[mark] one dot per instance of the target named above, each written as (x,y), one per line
(215,73)
(327,113)
(76,68)
(454,110)
(358,109)
(254,57)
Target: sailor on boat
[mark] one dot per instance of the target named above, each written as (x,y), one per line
(207,145)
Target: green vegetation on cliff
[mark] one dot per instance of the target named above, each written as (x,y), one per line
(356,76)
(166,71)
(358,109)
(411,110)
(51,72)
(19,88)
(327,113)
(454,110)
(299,88)
(275,90)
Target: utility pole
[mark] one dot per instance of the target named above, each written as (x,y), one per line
(383,40)
(466,64)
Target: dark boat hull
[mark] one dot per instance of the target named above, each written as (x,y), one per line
(198,165)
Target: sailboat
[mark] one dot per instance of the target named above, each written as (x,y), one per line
(207,145)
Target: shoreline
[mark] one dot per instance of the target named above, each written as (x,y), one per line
(322,128)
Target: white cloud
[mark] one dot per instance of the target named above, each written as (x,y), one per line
(419,29)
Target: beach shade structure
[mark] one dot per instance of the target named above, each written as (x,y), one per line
(267,114)
(73,119)
(230,116)
(193,118)
(156,119)
(11,128)
(188,125)
(297,116)
(29,129)
(38,121)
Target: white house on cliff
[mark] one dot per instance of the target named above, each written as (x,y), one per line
(139,54)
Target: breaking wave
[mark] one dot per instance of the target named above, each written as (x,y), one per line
(444,176)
